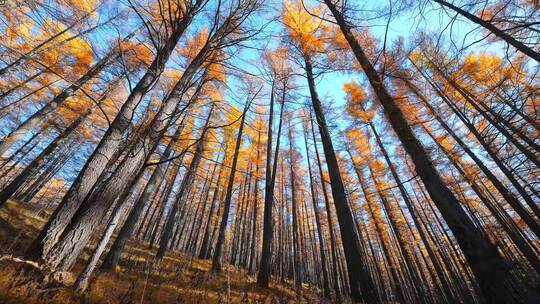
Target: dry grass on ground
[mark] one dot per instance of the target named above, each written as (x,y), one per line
(139,278)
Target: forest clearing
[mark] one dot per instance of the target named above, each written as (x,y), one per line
(283,151)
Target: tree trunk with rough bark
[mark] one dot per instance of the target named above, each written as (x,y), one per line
(361,284)
(104,153)
(112,258)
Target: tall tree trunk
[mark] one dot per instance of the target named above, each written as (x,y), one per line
(36,183)
(19,85)
(333,243)
(516,237)
(315,201)
(408,203)
(296,235)
(206,243)
(500,164)
(216,259)
(470,100)
(245,225)
(39,49)
(238,220)
(116,215)
(505,192)
(381,231)
(112,258)
(361,284)
(265,269)
(22,150)
(78,232)
(194,241)
(184,188)
(104,152)
(254,235)
(15,165)
(149,234)
(393,217)
(215,226)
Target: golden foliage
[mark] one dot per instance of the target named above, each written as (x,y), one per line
(83,6)
(303,28)
(356,97)
(193,45)
(136,53)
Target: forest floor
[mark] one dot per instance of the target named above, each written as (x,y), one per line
(139,277)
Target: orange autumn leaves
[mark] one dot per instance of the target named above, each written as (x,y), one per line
(356,97)
(79,6)
(314,36)
(193,45)
(303,28)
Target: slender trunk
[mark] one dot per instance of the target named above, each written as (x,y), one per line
(153,203)
(216,259)
(381,231)
(254,235)
(238,220)
(328,216)
(470,100)
(78,232)
(493,154)
(503,190)
(191,242)
(206,244)
(4,109)
(21,150)
(265,268)
(516,237)
(35,184)
(184,188)
(394,221)
(215,227)
(150,233)
(14,167)
(408,203)
(361,284)
(200,218)
(314,198)
(27,55)
(152,228)
(19,85)
(245,225)
(295,233)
